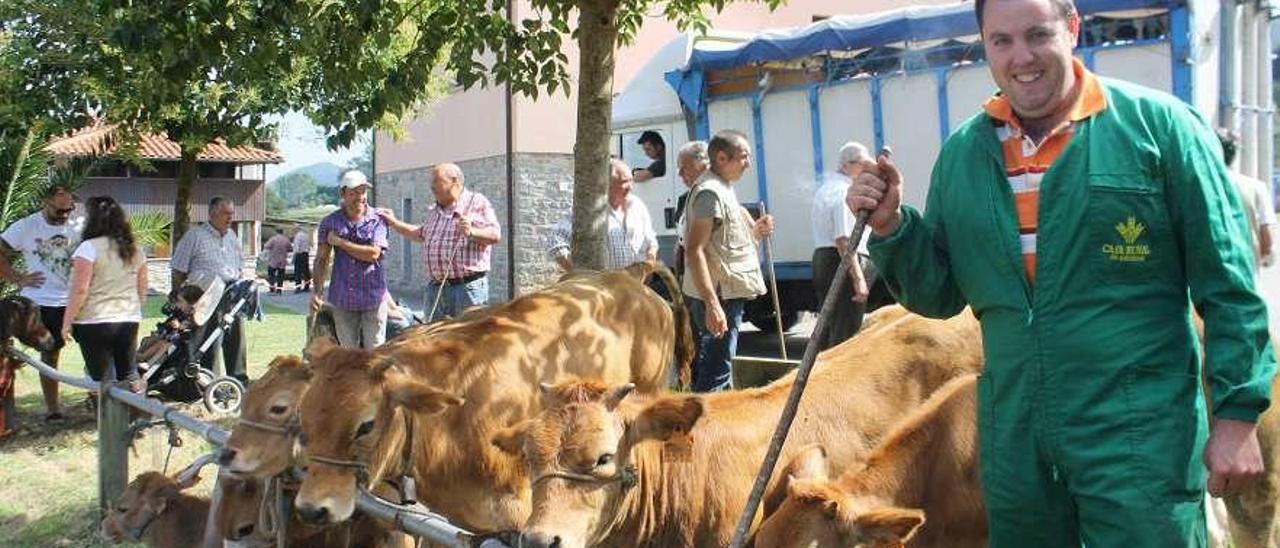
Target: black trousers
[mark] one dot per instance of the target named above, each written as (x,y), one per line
(847,316)
(108,347)
(302,268)
(275,277)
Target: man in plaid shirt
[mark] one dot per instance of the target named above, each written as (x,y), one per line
(457,238)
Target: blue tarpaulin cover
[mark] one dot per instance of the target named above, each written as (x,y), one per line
(864,31)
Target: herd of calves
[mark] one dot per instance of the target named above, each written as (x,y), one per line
(547,419)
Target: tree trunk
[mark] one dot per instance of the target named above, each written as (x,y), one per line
(19,163)
(182,203)
(597,37)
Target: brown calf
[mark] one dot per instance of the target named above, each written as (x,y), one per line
(614,470)
(20,319)
(927,466)
(153,509)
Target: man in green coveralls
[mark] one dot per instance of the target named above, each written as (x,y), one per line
(1082,218)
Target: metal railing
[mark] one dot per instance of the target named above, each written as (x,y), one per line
(113,456)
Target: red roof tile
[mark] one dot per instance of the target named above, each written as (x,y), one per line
(99,140)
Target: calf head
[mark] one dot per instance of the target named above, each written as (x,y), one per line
(352,427)
(817,512)
(579,453)
(20,318)
(144,501)
(262,444)
(238,510)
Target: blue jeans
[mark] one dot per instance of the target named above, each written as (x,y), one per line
(456,298)
(713,363)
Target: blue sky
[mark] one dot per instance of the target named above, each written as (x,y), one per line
(302,144)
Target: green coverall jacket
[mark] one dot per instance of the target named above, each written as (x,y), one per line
(1091,415)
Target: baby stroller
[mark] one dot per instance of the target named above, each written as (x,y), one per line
(170,359)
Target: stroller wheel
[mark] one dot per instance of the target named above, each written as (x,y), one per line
(224,395)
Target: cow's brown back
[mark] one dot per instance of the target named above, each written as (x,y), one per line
(605,325)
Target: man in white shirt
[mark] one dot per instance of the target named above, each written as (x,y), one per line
(1255,195)
(631,235)
(213,249)
(46,240)
(301,259)
(832,223)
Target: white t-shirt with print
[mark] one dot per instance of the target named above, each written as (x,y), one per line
(46,249)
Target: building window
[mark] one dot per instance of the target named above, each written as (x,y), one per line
(248,241)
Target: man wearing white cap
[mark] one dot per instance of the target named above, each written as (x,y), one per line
(356,237)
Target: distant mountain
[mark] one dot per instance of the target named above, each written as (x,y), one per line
(324,173)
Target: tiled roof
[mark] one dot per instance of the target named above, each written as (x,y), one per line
(99,140)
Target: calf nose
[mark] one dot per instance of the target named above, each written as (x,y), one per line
(243,532)
(226,456)
(534,539)
(314,515)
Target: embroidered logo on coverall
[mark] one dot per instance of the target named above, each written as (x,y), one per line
(1130,251)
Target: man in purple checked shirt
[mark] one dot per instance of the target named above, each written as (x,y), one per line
(357,239)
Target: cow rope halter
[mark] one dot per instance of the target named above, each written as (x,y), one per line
(406,486)
(289,429)
(627,478)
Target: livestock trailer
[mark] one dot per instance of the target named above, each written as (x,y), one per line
(906,78)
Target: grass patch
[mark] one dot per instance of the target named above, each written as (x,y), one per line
(49,471)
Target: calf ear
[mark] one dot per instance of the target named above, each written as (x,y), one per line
(899,524)
(318,347)
(616,394)
(666,417)
(809,463)
(419,396)
(511,439)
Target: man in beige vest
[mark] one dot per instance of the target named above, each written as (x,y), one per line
(722,268)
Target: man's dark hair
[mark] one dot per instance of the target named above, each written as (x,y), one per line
(1066,8)
(653,138)
(54,190)
(279,230)
(1230,143)
(726,141)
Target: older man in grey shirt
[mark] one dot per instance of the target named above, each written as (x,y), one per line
(213,250)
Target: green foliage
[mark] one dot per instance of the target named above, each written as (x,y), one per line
(150,229)
(300,190)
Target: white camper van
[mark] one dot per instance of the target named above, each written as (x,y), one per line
(905,78)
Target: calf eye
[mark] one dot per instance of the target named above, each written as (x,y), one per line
(365,428)
(604,459)
(278,409)
(121,509)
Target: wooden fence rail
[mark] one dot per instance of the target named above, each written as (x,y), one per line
(113,456)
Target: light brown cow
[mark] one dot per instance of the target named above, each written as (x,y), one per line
(1253,521)
(361,403)
(918,487)
(154,510)
(613,470)
(261,445)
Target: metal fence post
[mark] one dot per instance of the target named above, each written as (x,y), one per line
(113,449)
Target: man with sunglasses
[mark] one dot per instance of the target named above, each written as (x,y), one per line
(46,240)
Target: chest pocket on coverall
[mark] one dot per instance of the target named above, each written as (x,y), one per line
(1128,227)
